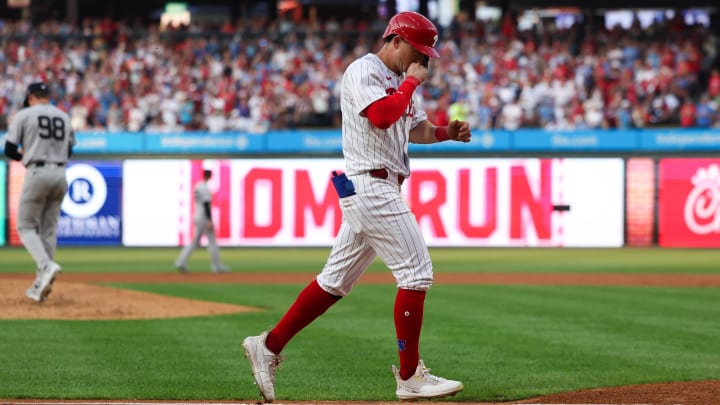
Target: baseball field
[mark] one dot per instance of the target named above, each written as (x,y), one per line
(515,325)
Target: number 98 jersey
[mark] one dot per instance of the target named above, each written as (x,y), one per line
(44,132)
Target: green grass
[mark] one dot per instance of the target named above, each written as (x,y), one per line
(470,260)
(504,342)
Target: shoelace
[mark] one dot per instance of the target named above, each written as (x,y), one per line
(275,362)
(430,377)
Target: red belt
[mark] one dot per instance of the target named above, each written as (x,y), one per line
(382,173)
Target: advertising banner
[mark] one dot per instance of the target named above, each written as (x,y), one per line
(158,201)
(316,141)
(640,201)
(588,140)
(155,202)
(203,142)
(109,142)
(90,212)
(689,203)
(677,139)
(3,210)
(457,202)
(327,141)
(16,175)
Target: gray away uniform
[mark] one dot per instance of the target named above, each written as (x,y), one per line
(45,134)
(203,226)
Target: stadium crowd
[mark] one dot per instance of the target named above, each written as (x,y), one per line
(257,74)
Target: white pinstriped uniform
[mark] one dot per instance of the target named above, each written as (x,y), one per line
(376,220)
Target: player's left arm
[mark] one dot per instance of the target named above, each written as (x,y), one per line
(12,151)
(208,214)
(13,140)
(208,211)
(427,132)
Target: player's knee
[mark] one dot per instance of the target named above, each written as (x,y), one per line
(338,290)
(26,228)
(419,284)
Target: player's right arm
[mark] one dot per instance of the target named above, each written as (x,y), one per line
(385,111)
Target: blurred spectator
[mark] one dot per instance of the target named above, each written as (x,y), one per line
(714,84)
(687,114)
(458,110)
(256,74)
(706,113)
(440,113)
(511,115)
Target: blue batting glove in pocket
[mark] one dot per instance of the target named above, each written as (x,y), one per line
(343,185)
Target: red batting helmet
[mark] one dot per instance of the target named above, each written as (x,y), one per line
(416,29)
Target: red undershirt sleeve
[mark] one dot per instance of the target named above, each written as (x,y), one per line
(384,112)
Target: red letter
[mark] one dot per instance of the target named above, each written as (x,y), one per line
(431,208)
(274,177)
(305,199)
(521,197)
(221,201)
(481,231)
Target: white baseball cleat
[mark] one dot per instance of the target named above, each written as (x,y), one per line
(424,385)
(263,363)
(42,286)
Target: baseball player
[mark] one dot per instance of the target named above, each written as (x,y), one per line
(203,226)
(41,137)
(380,116)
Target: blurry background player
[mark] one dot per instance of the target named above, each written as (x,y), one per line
(203,226)
(41,137)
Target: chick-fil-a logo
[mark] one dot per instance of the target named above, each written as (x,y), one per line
(702,206)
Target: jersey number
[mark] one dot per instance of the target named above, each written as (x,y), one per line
(51,127)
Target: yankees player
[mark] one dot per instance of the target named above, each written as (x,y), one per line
(203,226)
(380,115)
(40,136)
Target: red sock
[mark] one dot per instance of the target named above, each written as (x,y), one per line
(408,322)
(312,302)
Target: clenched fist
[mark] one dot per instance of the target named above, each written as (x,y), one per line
(459,131)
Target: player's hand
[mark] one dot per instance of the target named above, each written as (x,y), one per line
(418,70)
(459,131)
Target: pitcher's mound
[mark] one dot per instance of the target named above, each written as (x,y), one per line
(73,301)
